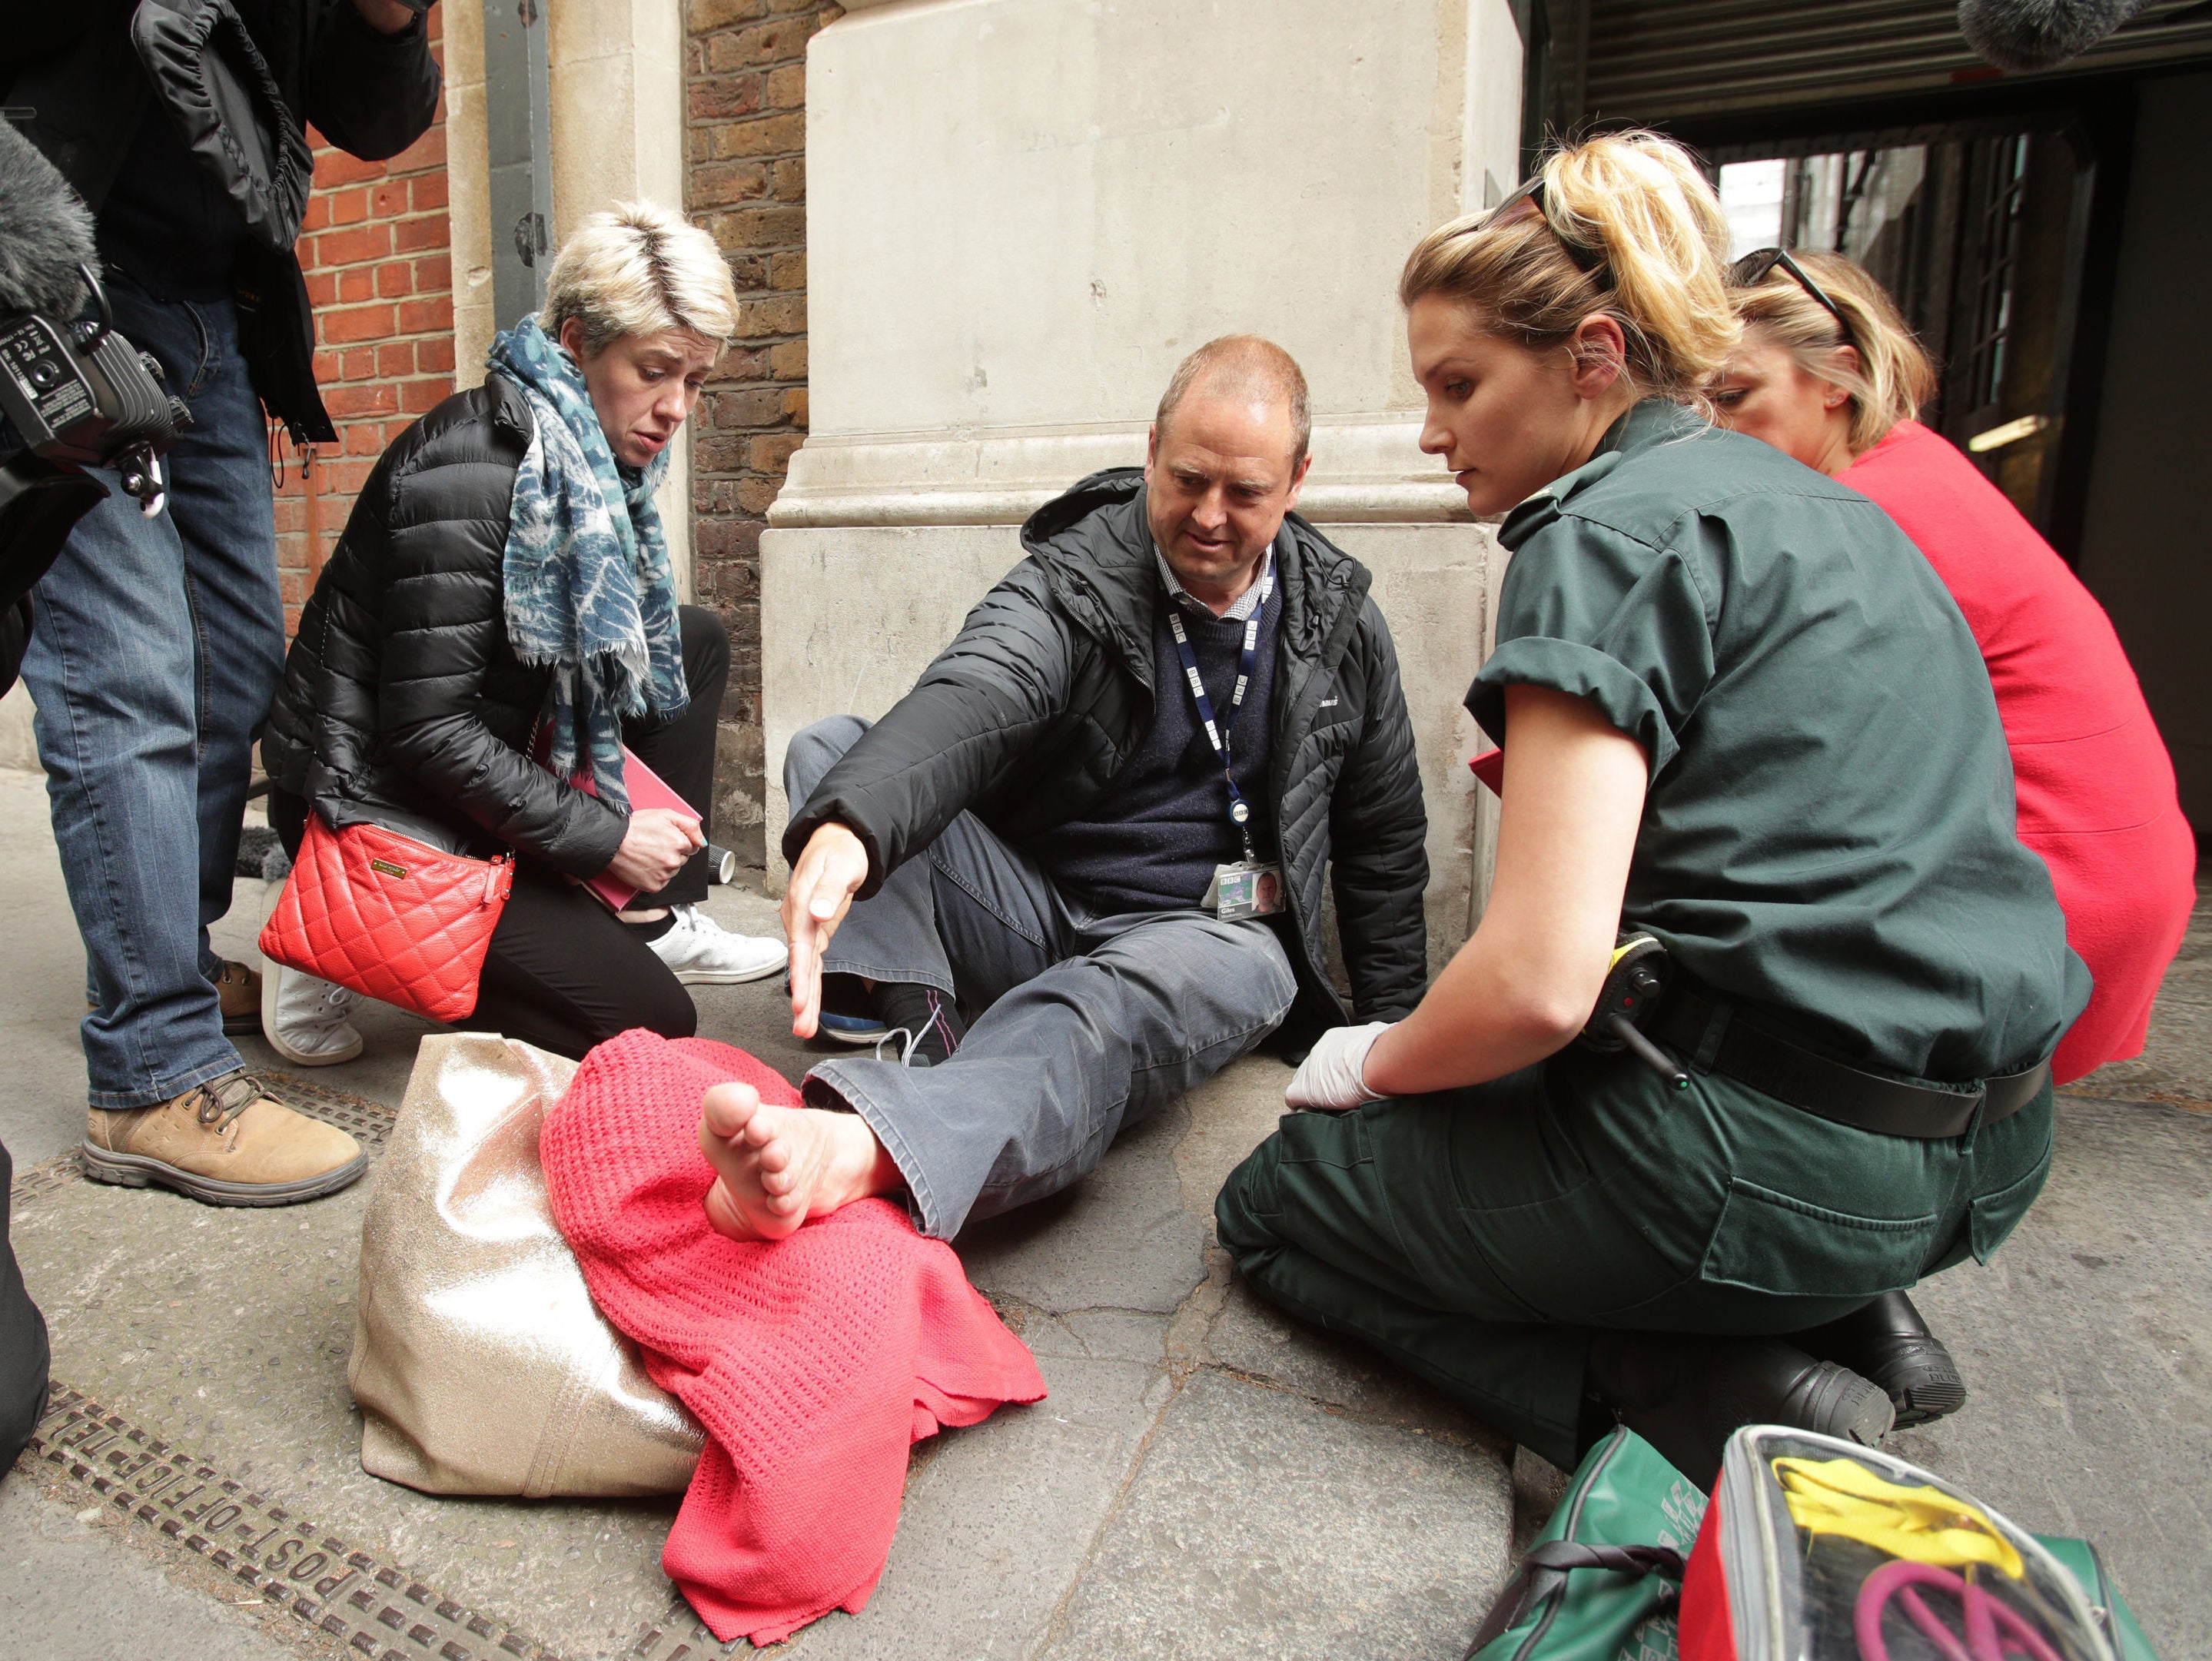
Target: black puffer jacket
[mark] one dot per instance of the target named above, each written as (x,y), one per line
(1027,717)
(403,703)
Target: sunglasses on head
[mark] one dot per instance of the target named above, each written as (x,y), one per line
(1586,260)
(1754,267)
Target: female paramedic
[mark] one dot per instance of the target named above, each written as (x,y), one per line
(1740,715)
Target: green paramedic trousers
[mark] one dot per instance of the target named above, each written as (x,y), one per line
(1478,1236)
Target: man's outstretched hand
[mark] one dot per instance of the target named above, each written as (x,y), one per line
(829,874)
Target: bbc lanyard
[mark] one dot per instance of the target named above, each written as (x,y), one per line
(1218,733)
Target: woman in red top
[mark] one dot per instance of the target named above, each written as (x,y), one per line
(1829,373)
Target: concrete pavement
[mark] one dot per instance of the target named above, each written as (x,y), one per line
(1204,1481)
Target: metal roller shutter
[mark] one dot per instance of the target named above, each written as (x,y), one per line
(1659,60)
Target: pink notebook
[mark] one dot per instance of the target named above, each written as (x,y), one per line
(647,789)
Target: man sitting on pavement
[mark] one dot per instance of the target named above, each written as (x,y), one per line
(1099,826)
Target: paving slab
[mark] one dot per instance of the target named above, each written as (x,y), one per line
(1252,1339)
(1261,1524)
(41,982)
(71,1588)
(998,1519)
(1120,1239)
(2086,1352)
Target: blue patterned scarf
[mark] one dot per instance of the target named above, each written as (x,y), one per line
(590,594)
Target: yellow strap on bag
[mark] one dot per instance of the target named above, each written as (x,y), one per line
(1919,1525)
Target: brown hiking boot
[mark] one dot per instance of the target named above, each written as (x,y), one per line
(240,990)
(224,1143)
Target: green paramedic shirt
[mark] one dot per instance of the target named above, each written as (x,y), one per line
(1829,829)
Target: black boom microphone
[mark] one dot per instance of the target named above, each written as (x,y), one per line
(2039,35)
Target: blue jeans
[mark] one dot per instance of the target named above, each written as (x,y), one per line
(154,657)
(1087,1025)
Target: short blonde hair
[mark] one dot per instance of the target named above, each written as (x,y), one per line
(1895,377)
(1624,226)
(640,268)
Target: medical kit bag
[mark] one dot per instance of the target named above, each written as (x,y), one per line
(1814,1548)
(1603,1579)
(1811,1549)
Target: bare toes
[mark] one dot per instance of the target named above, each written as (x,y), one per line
(723,1215)
(727,1109)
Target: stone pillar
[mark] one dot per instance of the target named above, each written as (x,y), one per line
(1022,214)
(746,78)
(618,90)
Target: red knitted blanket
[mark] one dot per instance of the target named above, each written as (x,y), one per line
(813,1362)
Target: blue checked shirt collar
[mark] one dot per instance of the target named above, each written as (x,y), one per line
(1247,603)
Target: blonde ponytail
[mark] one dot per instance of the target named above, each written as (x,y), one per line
(1623,226)
(1895,377)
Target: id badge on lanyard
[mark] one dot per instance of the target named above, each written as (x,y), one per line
(1251,887)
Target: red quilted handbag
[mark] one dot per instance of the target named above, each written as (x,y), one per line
(388,916)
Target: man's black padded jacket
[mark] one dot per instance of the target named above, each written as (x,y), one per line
(1027,716)
(404,704)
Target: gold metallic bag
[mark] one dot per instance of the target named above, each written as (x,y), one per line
(479,1363)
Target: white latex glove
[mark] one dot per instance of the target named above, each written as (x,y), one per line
(1332,1075)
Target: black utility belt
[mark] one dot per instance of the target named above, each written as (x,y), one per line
(1711,1034)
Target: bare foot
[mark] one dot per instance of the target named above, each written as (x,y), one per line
(778,1166)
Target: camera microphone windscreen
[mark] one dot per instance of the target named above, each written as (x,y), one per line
(2039,35)
(46,234)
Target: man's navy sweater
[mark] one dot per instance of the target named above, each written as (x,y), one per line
(1150,842)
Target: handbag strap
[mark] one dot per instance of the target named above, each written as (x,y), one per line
(1543,1573)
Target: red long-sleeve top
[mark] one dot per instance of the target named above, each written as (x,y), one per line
(2095,785)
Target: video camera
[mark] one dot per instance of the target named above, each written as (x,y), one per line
(79,395)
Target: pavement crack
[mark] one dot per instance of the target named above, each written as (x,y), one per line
(1056,1627)
(1187,1329)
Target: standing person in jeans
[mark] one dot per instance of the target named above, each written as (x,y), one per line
(157,640)
(1101,827)
(504,572)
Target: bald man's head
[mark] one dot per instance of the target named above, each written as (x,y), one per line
(1245,368)
(1225,462)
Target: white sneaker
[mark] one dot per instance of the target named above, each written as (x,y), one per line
(307,1021)
(704,953)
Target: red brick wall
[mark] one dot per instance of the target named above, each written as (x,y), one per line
(745,82)
(374,248)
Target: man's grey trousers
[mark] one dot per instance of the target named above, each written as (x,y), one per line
(1085,1024)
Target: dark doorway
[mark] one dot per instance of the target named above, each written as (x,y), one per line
(1979,230)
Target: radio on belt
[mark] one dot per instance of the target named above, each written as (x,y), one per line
(1635,982)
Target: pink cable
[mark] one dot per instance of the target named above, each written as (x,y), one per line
(1933,1630)
(1984,1616)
